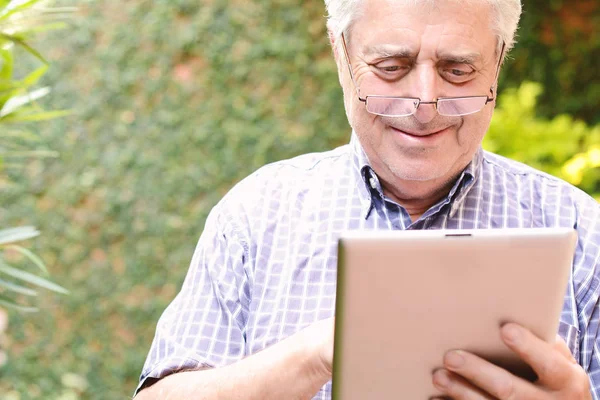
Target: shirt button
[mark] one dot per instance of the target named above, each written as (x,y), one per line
(373,183)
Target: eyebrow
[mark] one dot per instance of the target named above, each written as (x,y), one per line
(460,58)
(386,51)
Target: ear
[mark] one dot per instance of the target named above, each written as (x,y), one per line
(333,42)
(343,75)
(336,55)
(342,68)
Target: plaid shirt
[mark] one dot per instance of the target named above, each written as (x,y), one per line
(265,265)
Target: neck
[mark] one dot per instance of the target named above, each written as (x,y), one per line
(417,197)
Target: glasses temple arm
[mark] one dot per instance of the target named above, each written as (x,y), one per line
(350,68)
(493,88)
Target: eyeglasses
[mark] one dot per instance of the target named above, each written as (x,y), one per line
(389,106)
(394,106)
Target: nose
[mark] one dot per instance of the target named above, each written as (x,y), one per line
(425,87)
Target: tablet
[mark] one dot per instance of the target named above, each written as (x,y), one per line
(404,298)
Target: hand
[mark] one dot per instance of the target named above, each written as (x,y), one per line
(559,375)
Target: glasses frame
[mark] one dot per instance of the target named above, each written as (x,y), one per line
(418,101)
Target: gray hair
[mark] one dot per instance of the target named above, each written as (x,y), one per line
(343,13)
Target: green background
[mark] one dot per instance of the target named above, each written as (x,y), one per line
(176,100)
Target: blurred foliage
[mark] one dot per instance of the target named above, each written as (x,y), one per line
(19,20)
(174,101)
(561,146)
(10,254)
(559,47)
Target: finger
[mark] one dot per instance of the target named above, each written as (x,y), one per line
(561,346)
(488,377)
(457,387)
(553,369)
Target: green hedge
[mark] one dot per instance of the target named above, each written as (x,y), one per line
(174,101)
(559,47)
(562,146)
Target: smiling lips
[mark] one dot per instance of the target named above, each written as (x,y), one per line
(420,134)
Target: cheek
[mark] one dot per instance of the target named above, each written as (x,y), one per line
(484,121)
(478,125)
(473,129)
(362,120)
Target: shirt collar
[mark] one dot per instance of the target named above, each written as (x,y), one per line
(366,179)
(465,182)
(369,185)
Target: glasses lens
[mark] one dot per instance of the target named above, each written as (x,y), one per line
(461,105)
(391,107)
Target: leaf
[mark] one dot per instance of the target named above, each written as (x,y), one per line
(42,116)
(12,235)
(27,253)
(22,135)
(4,3)
(17,288)
(44,28)
(9,86)
(18,40)
(4,301)
(6,72)
(13,10)
(33,153)
(31,278)
(18,101)
(34,76)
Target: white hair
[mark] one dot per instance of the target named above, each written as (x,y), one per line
(342,14)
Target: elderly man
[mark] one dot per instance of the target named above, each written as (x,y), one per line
(254,319)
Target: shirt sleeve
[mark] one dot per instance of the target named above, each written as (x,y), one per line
(204,326)
(586,277)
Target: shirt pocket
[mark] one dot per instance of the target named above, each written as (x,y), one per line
(570,335)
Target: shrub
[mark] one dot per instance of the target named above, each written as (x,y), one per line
(561,146)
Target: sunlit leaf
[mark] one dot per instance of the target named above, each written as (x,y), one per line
(6,72)
(28,254)
(34,76)
(6,302)
(18,40)
(44,28)
(9,11)
(17,288)
(42,116)
(31,278)
(19,101)
(12,235)
(21,135)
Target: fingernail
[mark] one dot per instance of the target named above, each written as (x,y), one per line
(454,359)
(441,379)
(512,333)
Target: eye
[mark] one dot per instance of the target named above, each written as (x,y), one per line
(457,73)
(391,69)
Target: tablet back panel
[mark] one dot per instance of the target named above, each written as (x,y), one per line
(404,298)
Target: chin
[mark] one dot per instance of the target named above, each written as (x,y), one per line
(416,175)
(419,170)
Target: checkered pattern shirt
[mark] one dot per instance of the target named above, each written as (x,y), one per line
(265,265)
